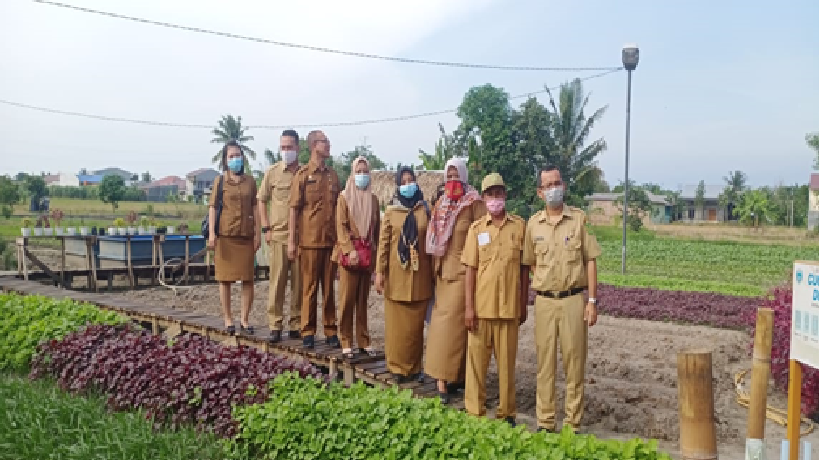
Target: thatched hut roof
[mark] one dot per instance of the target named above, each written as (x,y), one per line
(383,184)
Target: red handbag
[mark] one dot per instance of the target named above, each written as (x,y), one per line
(365,255)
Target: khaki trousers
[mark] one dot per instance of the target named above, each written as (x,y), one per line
(501,337)
(317,270)
(281,268)
(560,321)
(354,290)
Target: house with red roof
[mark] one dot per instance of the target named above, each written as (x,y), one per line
(161,189)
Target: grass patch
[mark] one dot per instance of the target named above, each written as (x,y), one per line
(729,267)
(39,421)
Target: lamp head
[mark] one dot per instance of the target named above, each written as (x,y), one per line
(631,56)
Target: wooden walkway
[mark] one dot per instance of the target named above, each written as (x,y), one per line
(160,319)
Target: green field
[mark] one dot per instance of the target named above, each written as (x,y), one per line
(729,267)
(76,207)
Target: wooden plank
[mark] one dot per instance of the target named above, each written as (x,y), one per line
(128,263)
(62,263)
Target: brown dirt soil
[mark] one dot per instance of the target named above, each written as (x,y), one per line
(631,371)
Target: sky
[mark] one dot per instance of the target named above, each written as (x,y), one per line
(721,85)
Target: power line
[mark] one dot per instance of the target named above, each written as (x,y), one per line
(275,127)
(322,49)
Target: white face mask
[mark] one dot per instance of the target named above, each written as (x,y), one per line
(553,196)
(289,156)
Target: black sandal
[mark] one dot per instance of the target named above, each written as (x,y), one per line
(370,352)
(231,329)
(248,330)
(348,354)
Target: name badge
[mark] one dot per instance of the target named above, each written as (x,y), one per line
(483,239)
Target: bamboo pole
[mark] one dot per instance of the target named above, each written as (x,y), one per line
(763,338)
(698,432)
(794,408)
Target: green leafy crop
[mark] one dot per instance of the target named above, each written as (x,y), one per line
(25,321)
(306,420)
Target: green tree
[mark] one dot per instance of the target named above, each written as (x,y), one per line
(36,187)
(231,129)
(112,190)
(9,195)
(812,140)
(699,197)
(488,123)
(448,146)
(639,205)
(754,207)
(272,157)
(573,154)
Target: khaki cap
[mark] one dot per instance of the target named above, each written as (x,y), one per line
(492,180)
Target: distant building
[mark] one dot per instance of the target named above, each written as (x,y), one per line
(160,189)
(710,210)
(126,176)
(813,202)
(89,179)
(198,184)
(62,179)
(604,208)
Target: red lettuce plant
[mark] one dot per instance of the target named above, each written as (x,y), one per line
(704,308)
(194,380)
(781,302)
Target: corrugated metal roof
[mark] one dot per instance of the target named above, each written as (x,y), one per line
(712,192)
(814,182)
(655,199)
(92,178)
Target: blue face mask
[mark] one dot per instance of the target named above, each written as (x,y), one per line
(362,181)
(408,190)
(235,164)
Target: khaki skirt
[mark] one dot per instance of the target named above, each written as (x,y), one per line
(234,259)
(446,337)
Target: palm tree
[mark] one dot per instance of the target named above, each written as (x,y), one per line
(230,129)
(570,130)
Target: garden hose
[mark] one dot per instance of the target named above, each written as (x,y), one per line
(773,414)
(177,263)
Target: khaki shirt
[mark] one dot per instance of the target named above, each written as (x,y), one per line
(559,252)
(496,254)
(238,200)
(275,189)
(404,285)
(346,229)
(314,194)
(449,266)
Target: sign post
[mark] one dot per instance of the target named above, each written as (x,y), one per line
(804,343)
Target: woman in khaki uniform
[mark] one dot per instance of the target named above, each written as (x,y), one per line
(460,205)
(357,217)
(404,276)
(237,239)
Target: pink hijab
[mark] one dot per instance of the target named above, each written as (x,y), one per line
(359,202)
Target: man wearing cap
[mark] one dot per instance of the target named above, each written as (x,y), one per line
(564,255)
(497,290)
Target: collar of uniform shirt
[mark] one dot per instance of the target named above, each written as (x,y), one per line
(315,166)
(565,213)
(505,218)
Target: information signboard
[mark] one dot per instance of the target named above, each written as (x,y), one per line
(805,314)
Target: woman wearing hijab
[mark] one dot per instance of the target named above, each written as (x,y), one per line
(357,223)
(404,276)
(454,213)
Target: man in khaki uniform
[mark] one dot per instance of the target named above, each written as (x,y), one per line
(563,254)
(497,291)
(275,190)
(313,198)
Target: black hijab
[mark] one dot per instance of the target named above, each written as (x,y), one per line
(409,232)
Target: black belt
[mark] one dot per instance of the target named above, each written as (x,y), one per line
(560,294)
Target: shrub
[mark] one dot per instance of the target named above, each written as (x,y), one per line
(194,380)
(25,321)
(781,302)
(304,419)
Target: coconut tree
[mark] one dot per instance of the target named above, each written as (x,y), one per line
(231,129)
(571,151)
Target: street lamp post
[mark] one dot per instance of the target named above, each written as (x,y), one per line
(631,56)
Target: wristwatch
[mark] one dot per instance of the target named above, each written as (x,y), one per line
(265,229)
(593,300)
